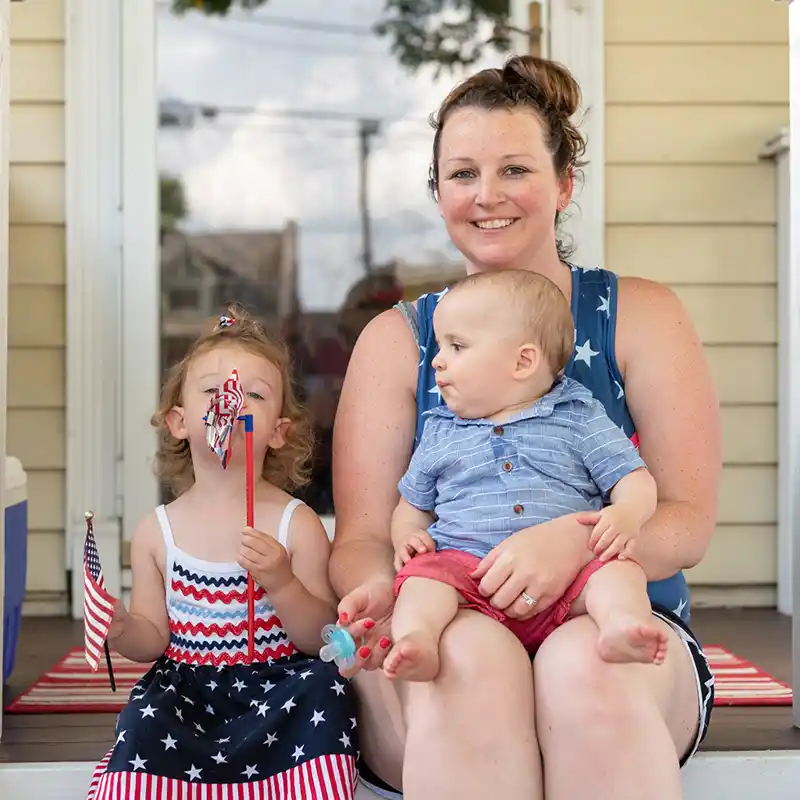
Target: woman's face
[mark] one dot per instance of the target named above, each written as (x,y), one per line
(498,189)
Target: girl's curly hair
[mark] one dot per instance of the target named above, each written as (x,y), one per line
(288,467)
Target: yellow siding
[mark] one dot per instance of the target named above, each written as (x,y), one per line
(693,90)
(37,327)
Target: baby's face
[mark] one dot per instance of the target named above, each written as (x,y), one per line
(479,346)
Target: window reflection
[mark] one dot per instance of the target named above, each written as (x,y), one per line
(293,181)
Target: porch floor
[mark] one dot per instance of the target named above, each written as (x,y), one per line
(762,636)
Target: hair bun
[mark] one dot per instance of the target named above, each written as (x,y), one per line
(549,84)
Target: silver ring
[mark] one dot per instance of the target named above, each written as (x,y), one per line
(531,601)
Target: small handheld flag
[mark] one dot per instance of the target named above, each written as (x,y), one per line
(223,412)
(98,605)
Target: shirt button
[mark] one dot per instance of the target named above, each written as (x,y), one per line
(519,508)
(508,466)
(498,430)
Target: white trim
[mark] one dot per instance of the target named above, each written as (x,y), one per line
(577,40)
(93,208)
(141,274)
(5,114)
(792,399)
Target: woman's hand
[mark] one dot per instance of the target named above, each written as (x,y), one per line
(541,561)
(366,612)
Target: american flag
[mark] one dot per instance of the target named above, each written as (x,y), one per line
(223,411)
(98,604)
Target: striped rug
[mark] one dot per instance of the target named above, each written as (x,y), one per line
(71,687)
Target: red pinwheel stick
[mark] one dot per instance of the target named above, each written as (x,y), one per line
(250,494)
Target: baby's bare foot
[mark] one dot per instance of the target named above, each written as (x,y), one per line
(414,657)
(627,639)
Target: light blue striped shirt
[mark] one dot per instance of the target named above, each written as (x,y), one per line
(485,481)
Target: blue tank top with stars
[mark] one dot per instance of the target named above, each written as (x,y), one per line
(593,363)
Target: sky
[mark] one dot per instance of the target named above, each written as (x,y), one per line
(257,170)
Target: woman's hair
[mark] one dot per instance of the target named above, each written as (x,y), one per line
(287,467)
(544,87)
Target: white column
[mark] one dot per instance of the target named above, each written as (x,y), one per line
(5,52)
(791,390)
(94,257)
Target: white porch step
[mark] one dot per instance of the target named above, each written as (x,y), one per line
(771,775)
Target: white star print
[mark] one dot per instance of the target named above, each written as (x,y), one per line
(220,759)
(353,723)
(271,739)
(318,717)
(138,697)
(262,710)
(620,390)
(254,704)
(305,674)
(188,700)
(179,714)
(199,727)
(169,743)
(435,390)
(289,704)
(338,688)
(298,754)
(267,686)
(212,685)
(345,740)
(148,711)
(220,668)
(194,773)
(171,688)
(210,710)
(290,671)
(240,684)
(604,301)
(249,772)
(121,737)
(138,763)
(422,351)
(584,352)
(270,660)
(681,605)
(224,741)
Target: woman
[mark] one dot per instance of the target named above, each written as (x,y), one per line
(504,158)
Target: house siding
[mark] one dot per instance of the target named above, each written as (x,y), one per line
(692,91)
(36,324)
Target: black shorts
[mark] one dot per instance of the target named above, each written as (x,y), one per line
(705,693)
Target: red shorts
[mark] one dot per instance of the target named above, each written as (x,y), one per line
(455,567)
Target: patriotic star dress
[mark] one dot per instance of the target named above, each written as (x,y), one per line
(202,723)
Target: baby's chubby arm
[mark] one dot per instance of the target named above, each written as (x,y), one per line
(633,501)
(142,634)
(410,532)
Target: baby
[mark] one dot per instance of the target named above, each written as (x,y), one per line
(516,445)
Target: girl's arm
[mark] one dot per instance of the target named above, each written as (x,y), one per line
(672,400)
(306,603)
(142,634)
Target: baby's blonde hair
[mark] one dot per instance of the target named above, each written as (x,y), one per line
(541,309)
(287,467)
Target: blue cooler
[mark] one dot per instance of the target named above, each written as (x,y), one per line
(16,557)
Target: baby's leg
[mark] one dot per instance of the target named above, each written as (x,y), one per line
(615,597)
(424,608)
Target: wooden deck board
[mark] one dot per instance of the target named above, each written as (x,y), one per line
(762,636)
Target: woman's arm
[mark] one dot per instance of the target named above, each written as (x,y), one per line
(673,403)
(372,443)
(142,634)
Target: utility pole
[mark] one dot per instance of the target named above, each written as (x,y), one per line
(367,128)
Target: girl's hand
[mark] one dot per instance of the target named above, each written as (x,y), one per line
(266,559)
(541,561)
(366,612)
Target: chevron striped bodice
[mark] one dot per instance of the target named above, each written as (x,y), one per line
(207,607)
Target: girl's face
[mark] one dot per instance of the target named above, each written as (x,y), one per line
(498,189)
(263,398)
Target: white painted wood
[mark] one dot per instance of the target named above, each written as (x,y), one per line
(792,390)
(732,776)
(576,39)
(141,271)
(5,115)
(93,192)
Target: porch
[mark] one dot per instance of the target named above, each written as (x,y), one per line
(748,750)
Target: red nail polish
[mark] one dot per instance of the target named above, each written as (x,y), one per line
(343,617)
(369,624)
(364,652)
(385,642)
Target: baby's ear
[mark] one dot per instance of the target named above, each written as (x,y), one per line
(529,358)
(176,422)
(278,438)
